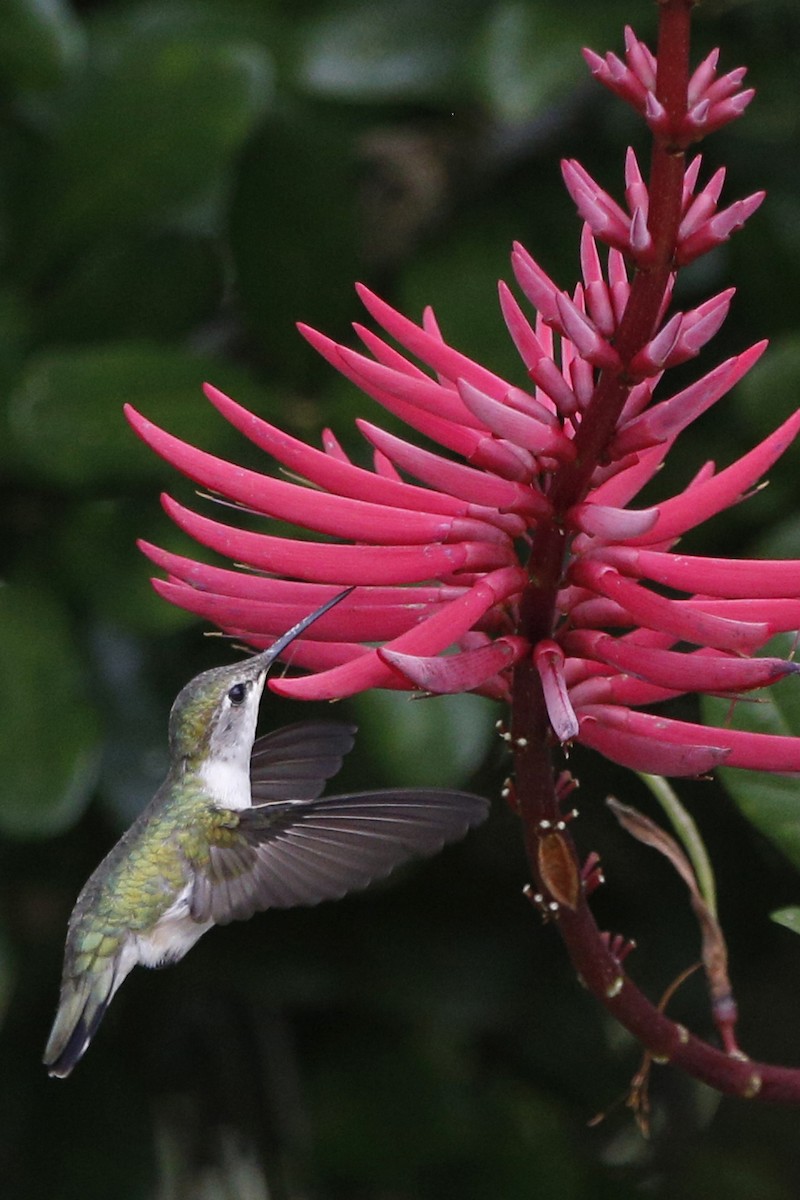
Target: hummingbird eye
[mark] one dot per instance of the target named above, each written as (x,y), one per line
(237,693)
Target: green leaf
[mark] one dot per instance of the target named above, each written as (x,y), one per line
(66,420)
(120,594)
(39,41)
(788,917)
(528,55)
(390,50)
(152,134)
(771,802)
(50,745)
(293,233)
(159,287)
(438,741)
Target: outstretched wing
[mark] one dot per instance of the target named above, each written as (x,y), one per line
(294,763)
(302,852)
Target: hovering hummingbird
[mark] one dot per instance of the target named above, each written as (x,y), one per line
(235,828)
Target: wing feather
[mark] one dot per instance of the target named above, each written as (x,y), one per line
(293,763)
(302,852)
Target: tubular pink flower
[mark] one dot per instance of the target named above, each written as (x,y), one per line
(699,671)
(713,100)
(468,671)
(642,752)
(549,659)
(751,751)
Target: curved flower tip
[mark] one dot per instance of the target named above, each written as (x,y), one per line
(476,670)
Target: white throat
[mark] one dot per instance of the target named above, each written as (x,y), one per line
(227,782)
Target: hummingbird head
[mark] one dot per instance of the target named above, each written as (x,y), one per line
(214,716)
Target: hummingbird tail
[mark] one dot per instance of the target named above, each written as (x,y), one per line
(81,1008)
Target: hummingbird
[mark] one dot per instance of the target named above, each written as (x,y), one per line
(239,825)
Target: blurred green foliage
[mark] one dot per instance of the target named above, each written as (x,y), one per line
(181,180)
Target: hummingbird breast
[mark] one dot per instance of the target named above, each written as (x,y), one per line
(172,936)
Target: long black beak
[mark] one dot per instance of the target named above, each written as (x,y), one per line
(267,657)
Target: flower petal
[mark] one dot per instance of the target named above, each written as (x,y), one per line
(644,753)
(338,515)
(463,672)
(329,562)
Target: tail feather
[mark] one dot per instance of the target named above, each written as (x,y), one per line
(81,1008)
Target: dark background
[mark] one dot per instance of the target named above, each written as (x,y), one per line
(179,182)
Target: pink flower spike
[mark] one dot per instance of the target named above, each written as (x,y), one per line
(730,578)
(332,446)
(612,524)
(640,59)
(456,479)
(430,637)
(588,342)
(703,206)
(645,753)
(718,228)
(697,116)
(534,354)
(325,470)
(672,616)
(655,113)
(339,515)
(726,86)
(537,286)
(718,492)
(652,357)
(699,326)
(690,177)
(704,75)
(383,353)
(466,671)
(700,671)
(752,751)
(429,347)
(517,427)
(602,214)
(636,192)
(329,562)
(641,242)
(548,658)
(423,393)
(666,420)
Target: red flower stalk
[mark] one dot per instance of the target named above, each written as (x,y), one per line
(520,552)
